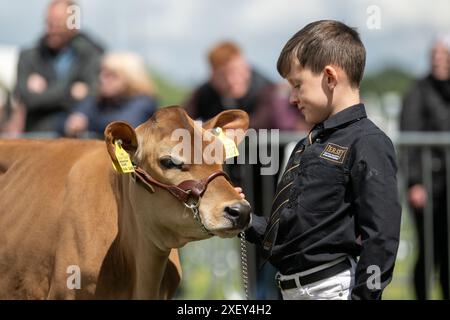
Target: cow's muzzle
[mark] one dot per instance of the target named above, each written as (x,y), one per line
(239,214)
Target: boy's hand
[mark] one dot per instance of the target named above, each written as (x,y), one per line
(239,190)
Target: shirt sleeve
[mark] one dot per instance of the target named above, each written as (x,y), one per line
(256,230)
(378,214)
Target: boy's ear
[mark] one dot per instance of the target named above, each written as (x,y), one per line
(331,76)
(123,131)
(230,119)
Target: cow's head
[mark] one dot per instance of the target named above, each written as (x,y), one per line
(155,147)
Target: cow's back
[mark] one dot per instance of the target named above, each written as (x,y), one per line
(54,197)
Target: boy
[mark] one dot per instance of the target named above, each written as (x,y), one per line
(337,199)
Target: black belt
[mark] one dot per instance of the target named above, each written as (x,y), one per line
(316,276)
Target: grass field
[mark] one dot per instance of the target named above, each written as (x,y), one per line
(402,287)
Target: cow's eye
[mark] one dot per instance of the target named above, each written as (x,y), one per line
(168,162)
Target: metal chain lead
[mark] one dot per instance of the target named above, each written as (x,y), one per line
(244,264)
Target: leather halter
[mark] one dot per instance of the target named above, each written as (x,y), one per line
(189,192)
(185,190)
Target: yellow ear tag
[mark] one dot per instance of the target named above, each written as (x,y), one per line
(231,149)
(123,159)
(116,167)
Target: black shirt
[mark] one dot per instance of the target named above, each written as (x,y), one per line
(344,188)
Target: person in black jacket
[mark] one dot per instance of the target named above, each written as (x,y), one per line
(426,107)
(60,71)
(334,228)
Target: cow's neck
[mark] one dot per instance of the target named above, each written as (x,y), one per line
(139,252)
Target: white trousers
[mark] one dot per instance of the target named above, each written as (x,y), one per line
(337,287)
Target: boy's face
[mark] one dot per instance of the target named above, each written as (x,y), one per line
(309,93)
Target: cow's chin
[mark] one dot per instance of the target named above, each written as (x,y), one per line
(226,232)
(223,228)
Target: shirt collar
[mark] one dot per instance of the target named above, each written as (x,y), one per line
(350,114)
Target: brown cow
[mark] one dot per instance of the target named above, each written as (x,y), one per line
(63,209)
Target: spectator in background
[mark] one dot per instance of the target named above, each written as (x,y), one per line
(59,72)
(126,92)
(234,84)
(427,108)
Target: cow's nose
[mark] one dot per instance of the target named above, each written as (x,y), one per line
(239,214)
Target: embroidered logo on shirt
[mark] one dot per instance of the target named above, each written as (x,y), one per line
(334,152)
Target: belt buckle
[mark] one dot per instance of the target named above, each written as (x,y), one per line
(278,282)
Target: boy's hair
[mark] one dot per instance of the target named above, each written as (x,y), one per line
(222,53)
(322,43)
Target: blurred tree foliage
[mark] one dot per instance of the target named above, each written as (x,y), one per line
(387,80)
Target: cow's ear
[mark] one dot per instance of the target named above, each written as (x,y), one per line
(230,119)
(123,131)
